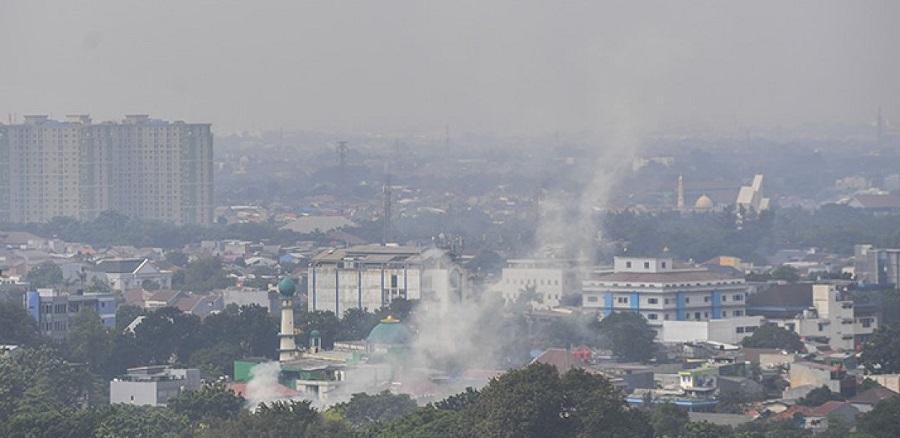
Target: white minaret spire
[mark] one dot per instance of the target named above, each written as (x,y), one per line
(680,203)
(288,348)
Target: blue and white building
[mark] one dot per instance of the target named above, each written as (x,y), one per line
(660,291)
(54,310)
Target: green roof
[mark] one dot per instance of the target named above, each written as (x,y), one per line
(390,331)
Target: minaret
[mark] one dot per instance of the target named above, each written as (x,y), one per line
(680,203)
(288,348)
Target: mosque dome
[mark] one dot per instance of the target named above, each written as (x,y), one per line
(389,332)
(286,287)
(703,203)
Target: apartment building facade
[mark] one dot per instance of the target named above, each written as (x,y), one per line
(656,289)
(140,167)
(371,276)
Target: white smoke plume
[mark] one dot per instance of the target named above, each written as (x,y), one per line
(263,385)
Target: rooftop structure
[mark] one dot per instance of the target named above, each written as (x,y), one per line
(152,385)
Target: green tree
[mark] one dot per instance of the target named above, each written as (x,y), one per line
(881,353)
(126,314)
(818,397)
(166,335)
(37,379)
(705,429)
(17,327)
(883,421)
(426,422)
(177,258)
(212,402)
(46,274)
(365,410)
(122,420)
(668,420)
(593,407)
(628,335)
(98,285)
(202,275)
(785,273)
(772,336)
(521,403)
(294,419)
(89,341)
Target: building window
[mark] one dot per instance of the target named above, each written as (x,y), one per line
(666,316)
(653,300)
(687,300)
(592,298)
(821,326)
(750,329)
(646,265)
(666,301)
(866,322)
(622,300)
(697,315)
(738,312)
(724,298)
(724,314)
(705,299)
(739,330)
(664,265)
(627,264)
(651,316)
(706,314)
(738,297)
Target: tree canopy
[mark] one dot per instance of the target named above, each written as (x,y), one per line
(881,353)
(628,335)
(773,336)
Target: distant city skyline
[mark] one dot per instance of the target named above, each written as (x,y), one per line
(487,67)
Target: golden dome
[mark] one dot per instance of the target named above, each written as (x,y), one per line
(703,203)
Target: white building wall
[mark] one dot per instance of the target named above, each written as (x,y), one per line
(726,331)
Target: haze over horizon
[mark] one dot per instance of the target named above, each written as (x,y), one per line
(485,67)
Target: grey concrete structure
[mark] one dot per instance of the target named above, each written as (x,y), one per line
(152,385)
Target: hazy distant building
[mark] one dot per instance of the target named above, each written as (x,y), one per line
(656,289)
(750,198)
(551,279)
(371,276)
(876,266)
(141,167)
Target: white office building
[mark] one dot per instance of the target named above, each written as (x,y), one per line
(371,276)
(660,291)
(552,279)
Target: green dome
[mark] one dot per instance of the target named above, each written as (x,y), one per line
(389,332)
(286,287)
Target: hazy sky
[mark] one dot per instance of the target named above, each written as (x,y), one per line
(516,67)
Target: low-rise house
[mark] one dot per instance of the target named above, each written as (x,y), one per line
(865,401)
(816,418)
(126,274)
(814,375)
(152,385)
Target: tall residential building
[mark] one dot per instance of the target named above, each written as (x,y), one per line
(551,279)
(141,167)
(660,291)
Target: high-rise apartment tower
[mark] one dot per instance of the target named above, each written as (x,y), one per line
(141,167)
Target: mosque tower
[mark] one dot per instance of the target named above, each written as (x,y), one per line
(679,204)
(288,348)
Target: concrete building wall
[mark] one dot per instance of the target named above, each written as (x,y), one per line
(727,331)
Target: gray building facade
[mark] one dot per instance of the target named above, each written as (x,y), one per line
(152,385)
(140,167)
